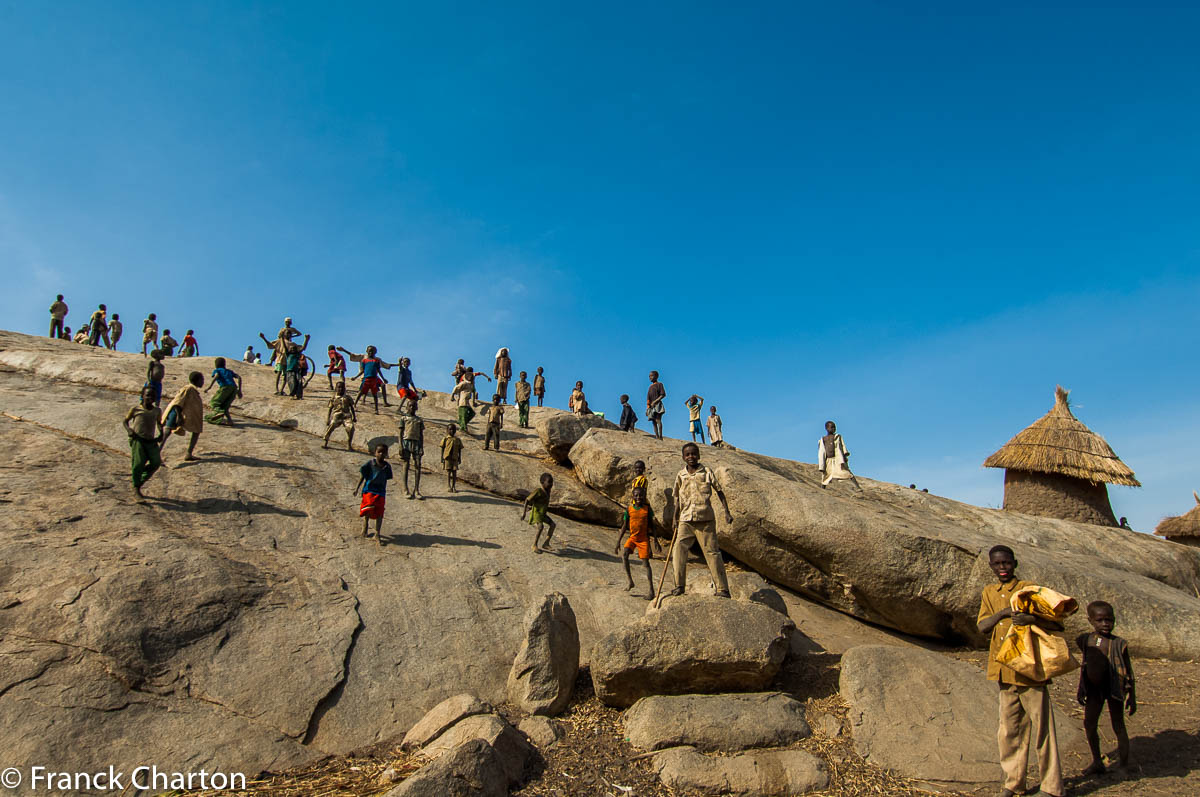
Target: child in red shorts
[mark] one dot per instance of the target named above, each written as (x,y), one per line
(373,479)
(636,520)
(337,365)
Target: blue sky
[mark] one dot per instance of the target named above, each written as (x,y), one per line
(915,221)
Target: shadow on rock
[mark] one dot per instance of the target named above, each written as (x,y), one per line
(217,506)
(240,459)
(1167,754)
(418,540)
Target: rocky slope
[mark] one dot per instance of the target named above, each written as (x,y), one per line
(238,621)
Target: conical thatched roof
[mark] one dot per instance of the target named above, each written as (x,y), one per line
(1186,525)
(1058,443)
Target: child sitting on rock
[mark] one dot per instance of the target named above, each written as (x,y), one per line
(537,504)
(1106,678)
(636,521)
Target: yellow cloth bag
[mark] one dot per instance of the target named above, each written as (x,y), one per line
(1030,651)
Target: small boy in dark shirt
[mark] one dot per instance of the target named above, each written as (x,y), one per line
(373,478)
(628,418)
(1106,677)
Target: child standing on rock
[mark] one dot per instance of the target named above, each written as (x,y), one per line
(522,392)
(143,424)
(1105,679)
(341,413)
(373,478)
(539,385)
(451,456)
(636,521)
(537,505)
(412,446)
(696,521)
(494,415)
(155,370)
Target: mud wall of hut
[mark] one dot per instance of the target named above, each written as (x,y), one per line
(1052,495)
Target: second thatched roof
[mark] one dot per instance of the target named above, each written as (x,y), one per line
(1185,525)
(1058,443)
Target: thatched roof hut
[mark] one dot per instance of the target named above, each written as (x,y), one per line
(1183,529)
(1057,467)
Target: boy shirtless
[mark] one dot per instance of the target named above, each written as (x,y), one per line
(412,446)
(451,456)
(155,370)
(373,478)
(537,504)
(340,413)
(636,520)
(143,424)
(149,332)
(539,386)
(1025,715)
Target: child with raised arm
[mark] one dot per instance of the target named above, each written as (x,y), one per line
(451,456)
(185,414)
(636,520)
(370,368)
(340,413)
(143,424)
(694,404)
(373,478)
(1025,716)
(412,446)
(1105,679)
(295,364)
(463,396)
(537,505)
(539,385)
(494,415)
(229,387)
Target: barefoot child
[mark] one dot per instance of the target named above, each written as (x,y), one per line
(167,344)
(295,364)
(185,414)
(149,332)
(373,478)
(337,365)
(154,375)
(340,413)
(115,327)
(629,418)
(451,456)
(463,396)
(412,446)
(521,394)
(636,520)
(494,415)
(1025,716)
(715,436)
(537,504)
(143,423)
(229,386)
(539,386)
(1106,678)
(694,404)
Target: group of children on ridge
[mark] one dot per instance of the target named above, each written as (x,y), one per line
(100,328)
(1025,715)
(1025,712)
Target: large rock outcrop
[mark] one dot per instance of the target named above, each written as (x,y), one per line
(909,560)
(560,431)
(692,644)
(761,773)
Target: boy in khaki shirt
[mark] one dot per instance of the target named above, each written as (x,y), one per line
(1025,712)
(695,519)
(494,415)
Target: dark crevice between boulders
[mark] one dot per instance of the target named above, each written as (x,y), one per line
(335,694)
